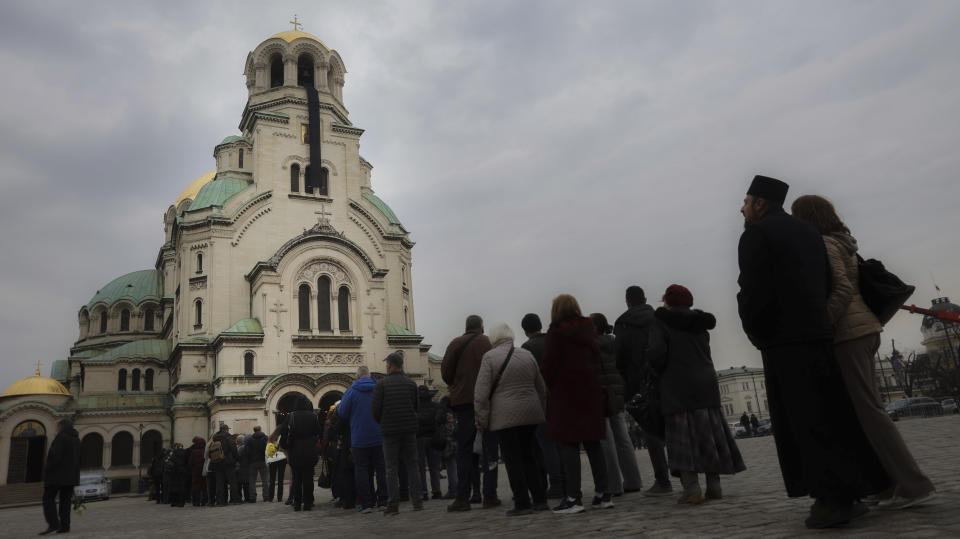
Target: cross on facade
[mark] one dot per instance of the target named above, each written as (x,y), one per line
(279,309)
(372,312)
(296,24)
(324,214)
(38,367)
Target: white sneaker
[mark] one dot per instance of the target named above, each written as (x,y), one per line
(899,502)
(569,507)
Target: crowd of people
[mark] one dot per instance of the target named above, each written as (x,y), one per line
(536,406)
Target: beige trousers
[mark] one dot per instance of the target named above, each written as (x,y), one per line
(857,366)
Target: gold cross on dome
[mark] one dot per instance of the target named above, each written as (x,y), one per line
(38,367)
(296,24)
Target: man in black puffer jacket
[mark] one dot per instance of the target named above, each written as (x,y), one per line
(61,474)
(257,453)
(632,332)
(429,455)
(394,406)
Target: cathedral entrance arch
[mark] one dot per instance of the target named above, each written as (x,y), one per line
(329,399)
(286,405)
(27,446)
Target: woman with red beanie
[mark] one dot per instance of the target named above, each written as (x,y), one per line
(698,438)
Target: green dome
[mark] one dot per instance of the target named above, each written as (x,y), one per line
(233,138)
(136,287)
(217,192)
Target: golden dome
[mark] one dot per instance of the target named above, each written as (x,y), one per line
(35,385)
(194,187)
(290,35)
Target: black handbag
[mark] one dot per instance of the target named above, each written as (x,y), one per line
(645,409)
(882,291)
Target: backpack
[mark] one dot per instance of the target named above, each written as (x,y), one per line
(216,452)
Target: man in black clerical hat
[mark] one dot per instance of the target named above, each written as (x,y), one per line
(784,283)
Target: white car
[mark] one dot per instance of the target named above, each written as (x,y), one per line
(93,486)
(737,429)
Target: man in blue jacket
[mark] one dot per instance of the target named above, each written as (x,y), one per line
(366,442)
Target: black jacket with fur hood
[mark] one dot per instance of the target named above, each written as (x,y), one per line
(679,351)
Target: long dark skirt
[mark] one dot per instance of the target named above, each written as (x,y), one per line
(700,441)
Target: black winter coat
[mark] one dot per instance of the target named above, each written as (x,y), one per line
(63,460)
(610,379)
(395,404)
(632,330)
(426,416)
(257,447)
(679,352)
(304,430)
(535,345)
(784,282)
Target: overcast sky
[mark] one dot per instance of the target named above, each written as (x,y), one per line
(531,148)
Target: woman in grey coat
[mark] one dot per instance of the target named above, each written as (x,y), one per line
(513,410)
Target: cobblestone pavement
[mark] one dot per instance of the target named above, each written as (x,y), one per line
(754,505)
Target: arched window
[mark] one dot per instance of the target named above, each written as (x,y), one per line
(305,70)
(322,187)
(91,451)
(122,380)
(240,159)
(276,71)
(403,274)
(303,306)
(121,454)
(150,444)
(125,320)
(323,303)
(343,308)
(307,181)
(198,308)
(248,364)
(199,262)
(135,380)
(148,319)
(148,380)
(294,178)
(103,321)
(406,320)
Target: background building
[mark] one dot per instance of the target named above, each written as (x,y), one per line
(742,390)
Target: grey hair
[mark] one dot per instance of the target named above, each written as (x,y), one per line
(362,371)
(501,332)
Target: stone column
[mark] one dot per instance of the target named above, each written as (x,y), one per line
(320,79)
(314,315)
(289,71)
(107,454)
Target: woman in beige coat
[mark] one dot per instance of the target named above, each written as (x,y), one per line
(856,342)
(513,413)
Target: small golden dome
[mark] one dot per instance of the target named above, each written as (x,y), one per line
(35,385)
(194,187)
(290,35)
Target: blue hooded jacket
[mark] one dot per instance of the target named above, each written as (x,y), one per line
(355,407)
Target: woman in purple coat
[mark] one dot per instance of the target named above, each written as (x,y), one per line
(575,412)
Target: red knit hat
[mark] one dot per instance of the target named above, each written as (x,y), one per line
(678,295)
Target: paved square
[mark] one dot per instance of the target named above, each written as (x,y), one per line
(754,506)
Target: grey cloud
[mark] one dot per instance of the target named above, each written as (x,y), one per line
(532,148)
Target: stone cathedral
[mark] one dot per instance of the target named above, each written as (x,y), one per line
(280,272)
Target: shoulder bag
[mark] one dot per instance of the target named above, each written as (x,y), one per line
(882,291)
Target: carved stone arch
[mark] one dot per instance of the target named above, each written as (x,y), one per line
(31,408)
(123,427)
(290,159)
(337,63)
(337,243)
(306,46)
(269,48)
(327,164)
(338,273)
(93,429)
(339,380)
